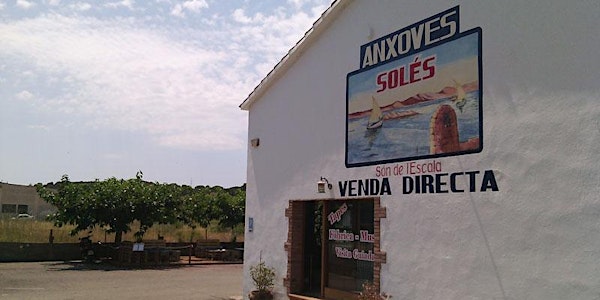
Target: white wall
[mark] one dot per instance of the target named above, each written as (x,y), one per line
(536,238)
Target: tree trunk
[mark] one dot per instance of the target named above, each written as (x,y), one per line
(118,237)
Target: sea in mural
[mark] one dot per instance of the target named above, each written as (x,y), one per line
(409,136)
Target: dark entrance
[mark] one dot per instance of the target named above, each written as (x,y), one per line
(313,248)
(332,247)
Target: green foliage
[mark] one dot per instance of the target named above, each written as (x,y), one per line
(114,204)
(262,276)
(232,210)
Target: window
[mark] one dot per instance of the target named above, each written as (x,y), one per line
(9,208)
(350,251)
(23,209)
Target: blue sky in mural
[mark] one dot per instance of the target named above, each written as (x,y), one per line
(96,89)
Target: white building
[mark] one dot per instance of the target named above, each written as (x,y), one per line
(460,140)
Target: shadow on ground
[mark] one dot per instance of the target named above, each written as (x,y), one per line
(106,266)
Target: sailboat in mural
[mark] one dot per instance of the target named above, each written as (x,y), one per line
(461,97)
(376,118)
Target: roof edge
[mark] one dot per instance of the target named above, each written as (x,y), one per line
(288,60)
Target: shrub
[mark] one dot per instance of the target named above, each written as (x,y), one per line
(262,276)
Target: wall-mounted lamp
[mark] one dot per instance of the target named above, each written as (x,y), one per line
(322,183)
(255,142)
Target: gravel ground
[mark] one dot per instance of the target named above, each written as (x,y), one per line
(74,280)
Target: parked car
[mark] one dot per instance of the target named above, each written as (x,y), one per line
(23,216)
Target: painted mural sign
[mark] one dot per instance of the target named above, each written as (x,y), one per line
(417,94)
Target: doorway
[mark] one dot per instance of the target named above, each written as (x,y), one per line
(313,248)
(333,247)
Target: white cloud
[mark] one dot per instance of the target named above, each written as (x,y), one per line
(195,5)
(317,5)
(298,3)
(191,5)
(24,95)
(81,6)
(272,34)
(2,5)
(54,2)
(178,11)
(240,16)
(124,3)
(182,88)
(128,78)
(25,4)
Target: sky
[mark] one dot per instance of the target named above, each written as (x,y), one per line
(100,89)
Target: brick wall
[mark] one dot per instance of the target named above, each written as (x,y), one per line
(294,246)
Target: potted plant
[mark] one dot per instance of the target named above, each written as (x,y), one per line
(369,292)
(264,279)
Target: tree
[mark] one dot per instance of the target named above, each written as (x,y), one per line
(116,203)
(112,203)
(71,201)
(157,203)
(202,208)
(232,209)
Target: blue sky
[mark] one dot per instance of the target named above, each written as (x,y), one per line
(96,89)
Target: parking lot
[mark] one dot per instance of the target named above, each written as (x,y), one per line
(74,280)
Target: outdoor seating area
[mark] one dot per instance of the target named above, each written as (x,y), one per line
(149,252)
(212,249)
(157,252)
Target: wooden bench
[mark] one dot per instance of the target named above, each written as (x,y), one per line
(208,248)
(156,251)
(125,252)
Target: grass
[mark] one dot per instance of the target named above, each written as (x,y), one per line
(34,231)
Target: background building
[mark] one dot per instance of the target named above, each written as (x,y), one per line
(20,199)
(455,145)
